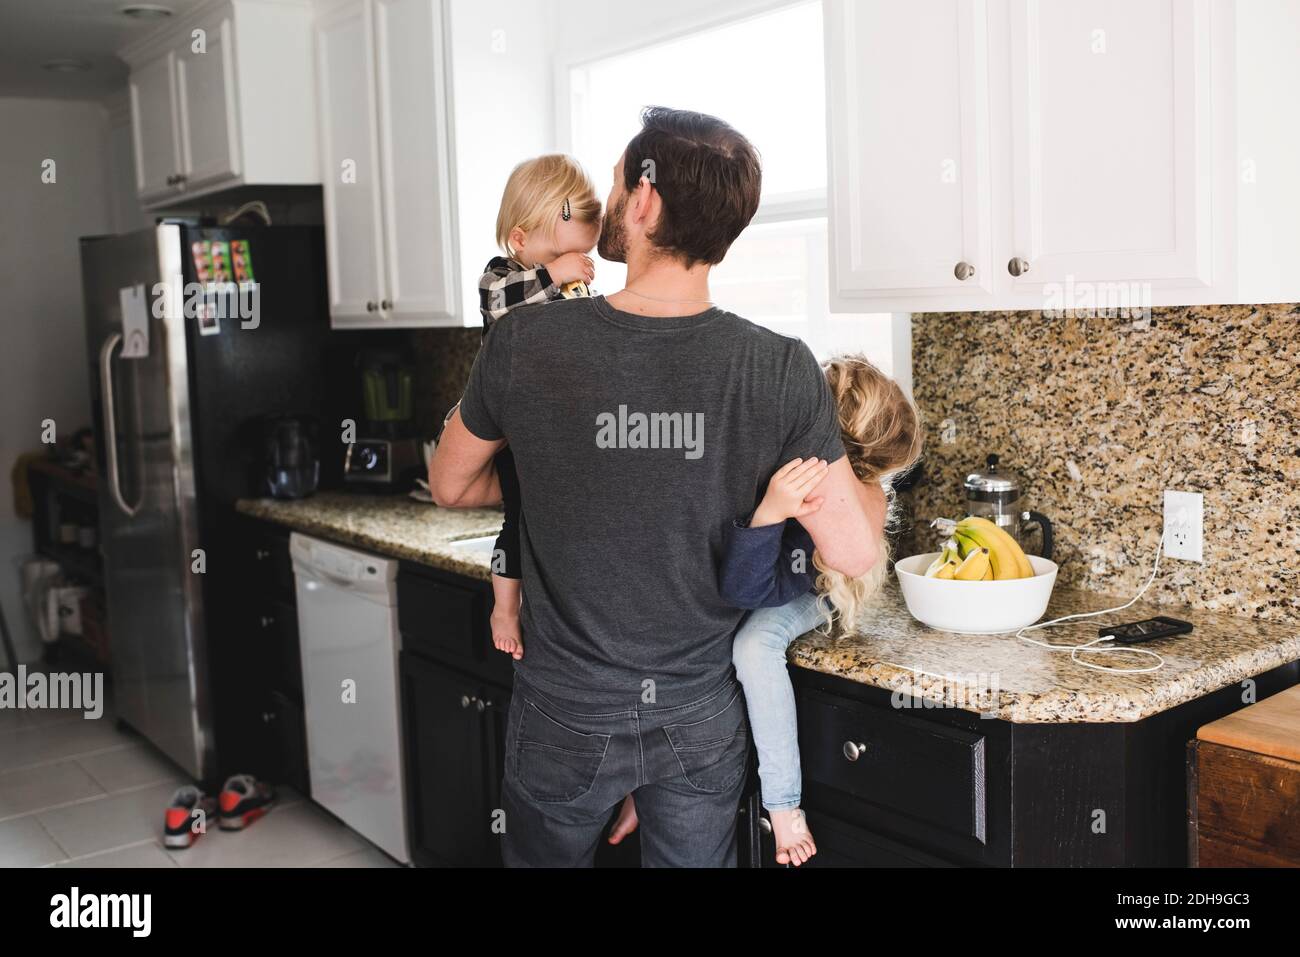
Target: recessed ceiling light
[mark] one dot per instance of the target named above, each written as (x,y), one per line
(146,11)
(66,66)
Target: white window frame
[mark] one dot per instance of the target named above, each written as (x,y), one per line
(810,204)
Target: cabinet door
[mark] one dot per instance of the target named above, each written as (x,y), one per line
(153,123)
(414,127)
(448,808)
(207,106)
(350,172)
(907,89)
(1111,142)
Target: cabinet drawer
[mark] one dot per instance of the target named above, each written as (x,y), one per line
(438,616)
(843,845)
(931,772)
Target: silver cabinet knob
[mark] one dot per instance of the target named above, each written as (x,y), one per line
(371,306)
(964,271)
(765,824)
(465,700)
(854,750)
(385,305)
(1018,266)
(482,705)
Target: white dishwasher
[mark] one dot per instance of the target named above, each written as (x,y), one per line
(347,629)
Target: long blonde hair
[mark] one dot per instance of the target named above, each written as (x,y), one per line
(537,192)
(882,436)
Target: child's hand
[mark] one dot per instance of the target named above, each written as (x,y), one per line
(570,268)
(788,493)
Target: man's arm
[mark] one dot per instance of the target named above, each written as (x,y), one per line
(461,473)
(847,528)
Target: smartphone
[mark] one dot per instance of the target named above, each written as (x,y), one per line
(1137,632)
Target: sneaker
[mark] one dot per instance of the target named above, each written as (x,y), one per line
(178,823)
(243,800)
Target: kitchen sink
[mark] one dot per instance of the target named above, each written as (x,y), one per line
(478,547)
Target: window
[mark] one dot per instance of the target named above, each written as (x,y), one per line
(765,75)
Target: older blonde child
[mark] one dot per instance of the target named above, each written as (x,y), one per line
(769,564)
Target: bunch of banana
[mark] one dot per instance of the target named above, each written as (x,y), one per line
(980,551)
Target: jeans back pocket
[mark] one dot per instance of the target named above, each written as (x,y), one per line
(714,751)
(554,763)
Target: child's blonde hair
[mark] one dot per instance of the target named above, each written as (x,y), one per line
(536,193)
(882,436)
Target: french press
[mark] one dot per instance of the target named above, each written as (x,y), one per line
(995,494)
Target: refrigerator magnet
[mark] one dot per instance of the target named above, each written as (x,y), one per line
(209,321)
(241,258)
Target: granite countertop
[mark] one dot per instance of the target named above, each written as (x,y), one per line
(997,675)
(1004,677)
(395,525)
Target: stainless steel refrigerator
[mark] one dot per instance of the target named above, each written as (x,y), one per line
(183,371)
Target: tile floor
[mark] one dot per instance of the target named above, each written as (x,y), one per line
(78,793)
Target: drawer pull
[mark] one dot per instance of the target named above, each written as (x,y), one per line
(853,751)
(262,554)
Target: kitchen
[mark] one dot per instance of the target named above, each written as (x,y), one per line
(1063,230)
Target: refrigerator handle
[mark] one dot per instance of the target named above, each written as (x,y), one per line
(110,422)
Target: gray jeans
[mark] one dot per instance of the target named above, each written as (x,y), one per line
(566,769)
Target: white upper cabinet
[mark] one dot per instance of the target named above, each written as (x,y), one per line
(224,97)
(153,127)
(385,146)
(1095,154)
(354,233)
(909,147)
(1111,150)
(208,106)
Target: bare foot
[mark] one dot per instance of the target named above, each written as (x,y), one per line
(794,842)
(505,633)
(626,823)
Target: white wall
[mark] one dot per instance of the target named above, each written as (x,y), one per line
(43,370)
(504,113)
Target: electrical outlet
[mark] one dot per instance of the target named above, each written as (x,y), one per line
(1184,525)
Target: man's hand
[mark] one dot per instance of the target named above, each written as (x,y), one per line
(789,493)
(570,268)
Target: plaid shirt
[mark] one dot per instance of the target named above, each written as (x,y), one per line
(506,285)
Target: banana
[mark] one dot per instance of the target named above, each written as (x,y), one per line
(950,553)
(977,567)
(1008,558)
(948,571)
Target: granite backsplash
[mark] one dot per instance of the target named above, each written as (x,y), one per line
(1101,415)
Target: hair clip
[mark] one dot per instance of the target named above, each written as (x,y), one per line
(566,212)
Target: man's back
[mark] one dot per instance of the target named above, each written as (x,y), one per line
(637,440)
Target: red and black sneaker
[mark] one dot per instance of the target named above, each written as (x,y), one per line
(243,800)
(188,817)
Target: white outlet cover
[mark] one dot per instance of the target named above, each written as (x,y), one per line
(1184,525)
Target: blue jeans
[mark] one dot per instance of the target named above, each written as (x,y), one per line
(566,769)
(759,656)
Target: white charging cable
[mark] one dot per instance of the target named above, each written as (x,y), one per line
(1097,645)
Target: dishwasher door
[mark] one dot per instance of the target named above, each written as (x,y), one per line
(347,621)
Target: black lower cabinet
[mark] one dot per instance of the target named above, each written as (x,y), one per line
(455,731)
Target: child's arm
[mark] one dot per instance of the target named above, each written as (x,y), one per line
(763,566)
(503,287)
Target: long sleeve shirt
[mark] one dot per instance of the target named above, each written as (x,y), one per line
(766,567)
(506,284)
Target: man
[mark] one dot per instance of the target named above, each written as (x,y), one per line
(642,424)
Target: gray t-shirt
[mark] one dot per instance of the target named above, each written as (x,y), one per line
(637,441)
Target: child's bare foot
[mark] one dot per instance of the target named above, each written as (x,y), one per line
(626,823)
(794,842)
(505,633)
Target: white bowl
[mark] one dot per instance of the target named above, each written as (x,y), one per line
(975,608)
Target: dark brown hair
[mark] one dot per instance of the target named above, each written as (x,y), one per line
(708,176)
